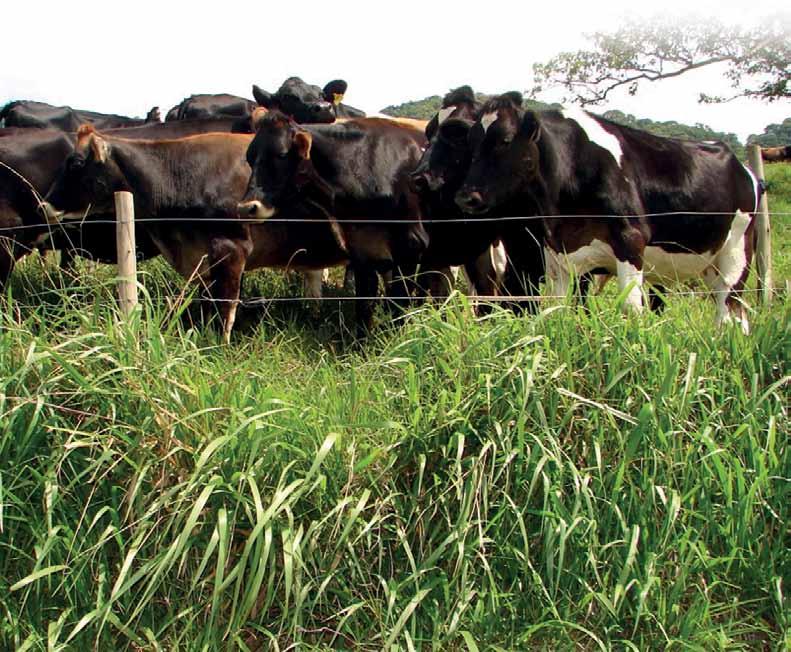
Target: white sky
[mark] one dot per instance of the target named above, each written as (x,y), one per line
(126,57)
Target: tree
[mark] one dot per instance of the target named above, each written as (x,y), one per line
(757,60)
(774,135)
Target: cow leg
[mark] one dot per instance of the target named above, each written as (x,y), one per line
(628,244)
(7,260)
(366,285)
(435,282)
(227,260)
(400,288)
(348,279)
(312,285)
(656,299)
(558,276)
(728,274)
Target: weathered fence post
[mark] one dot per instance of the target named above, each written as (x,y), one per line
(125,242)
(763,253)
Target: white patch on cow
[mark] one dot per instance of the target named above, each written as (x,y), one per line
(489,119)
(499,258)
(445,113)
(756,185)
(595,132)
(588,257)
(632,278)
(728,268)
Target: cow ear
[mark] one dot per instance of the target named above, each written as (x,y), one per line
(335,90)
(303,141)
(88,139)
(267,100)
(531,127)
(99,148)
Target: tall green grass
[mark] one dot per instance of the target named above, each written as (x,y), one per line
(570,480)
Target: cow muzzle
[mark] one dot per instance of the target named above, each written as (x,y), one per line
(471,201)
(254,209)
(50,214)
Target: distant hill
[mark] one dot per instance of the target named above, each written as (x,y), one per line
(426,108)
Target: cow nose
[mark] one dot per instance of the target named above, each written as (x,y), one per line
(470,202)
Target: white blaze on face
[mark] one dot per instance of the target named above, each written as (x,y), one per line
(488,120)
(444,114)
(595,132)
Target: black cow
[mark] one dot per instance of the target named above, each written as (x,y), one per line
(355,170)
(439,176)
(220,105)
(308,104)
(35,157)
(29,160)
(202,178)
(25,113)
(619,181)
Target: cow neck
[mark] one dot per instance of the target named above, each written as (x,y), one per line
(321,153)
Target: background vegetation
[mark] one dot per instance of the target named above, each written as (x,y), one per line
(569,480)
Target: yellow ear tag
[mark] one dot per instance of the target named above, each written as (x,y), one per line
(337,98)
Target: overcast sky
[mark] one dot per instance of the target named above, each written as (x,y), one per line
(125,58)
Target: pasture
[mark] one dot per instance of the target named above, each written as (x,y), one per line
(572,480)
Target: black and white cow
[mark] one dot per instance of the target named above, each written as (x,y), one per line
(647,208)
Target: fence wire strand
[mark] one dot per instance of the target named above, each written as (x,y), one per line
(85,221)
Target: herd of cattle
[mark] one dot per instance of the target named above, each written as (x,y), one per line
(296,179)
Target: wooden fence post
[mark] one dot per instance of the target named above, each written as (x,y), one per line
(127,260)
(763,253)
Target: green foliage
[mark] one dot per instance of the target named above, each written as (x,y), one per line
(756,60)
(424,109)
(569,480)
(774,135)
(427,108)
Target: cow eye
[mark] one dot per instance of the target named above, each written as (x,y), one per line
(77,163)
(283,155)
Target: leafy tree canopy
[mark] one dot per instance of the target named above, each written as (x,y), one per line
(757,60)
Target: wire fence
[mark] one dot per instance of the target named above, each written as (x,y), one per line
(79,222)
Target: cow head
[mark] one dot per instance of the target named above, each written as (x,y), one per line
(505,154)
(279,157)
(87,179)
(446,158)
(304,103)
